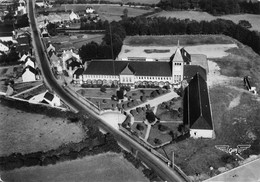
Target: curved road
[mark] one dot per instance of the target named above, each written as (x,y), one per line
(153,162)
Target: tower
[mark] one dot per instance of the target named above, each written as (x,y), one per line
(177,66)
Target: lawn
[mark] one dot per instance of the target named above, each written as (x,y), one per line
(103,103)
(33,92)
(23,132)
(156,134)
(168,111)
(107,167)
(20,87)
(135,1)
(140,132)
(199,16)
(96,93)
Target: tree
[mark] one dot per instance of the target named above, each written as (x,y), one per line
(103,88)
(150,116)
(143,98)
(244,23)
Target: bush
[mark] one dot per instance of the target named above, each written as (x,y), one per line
(129,104)
(150,116)
(143,98)
(124,106)
(103,88)
(160,91)
(139,109)
(157,141)
(135,102)
(133,112)
(154,94)
(104,101)
(127,88)
(139,127)
(162,127)
(120,94)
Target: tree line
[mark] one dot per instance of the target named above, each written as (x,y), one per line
(164,26)
(215,7)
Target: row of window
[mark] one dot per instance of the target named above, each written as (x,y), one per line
(153,78)
(102,76)
(177,78)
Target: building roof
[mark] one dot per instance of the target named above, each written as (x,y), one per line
(140,68)
(181,55)
(49,96)
(197,112)
(31,69)
(78,72)
(191,70)
(30,58)
(127,71)
(23,39)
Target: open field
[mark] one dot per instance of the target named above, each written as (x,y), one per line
(22,132)
(76,41)
(106,12)
(108,167)
(134,1)
(199,16)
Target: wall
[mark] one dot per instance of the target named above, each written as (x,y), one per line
(201,133)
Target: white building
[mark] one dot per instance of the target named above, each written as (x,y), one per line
(89,10)
(3,48)
(74,16)
(29,74)
(47,98)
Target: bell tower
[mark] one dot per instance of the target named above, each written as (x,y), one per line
(177,66)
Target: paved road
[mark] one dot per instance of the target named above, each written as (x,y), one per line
(161,168)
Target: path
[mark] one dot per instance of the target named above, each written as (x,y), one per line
(156,101)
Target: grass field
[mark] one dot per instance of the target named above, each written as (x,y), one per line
(199,16)
(108,167)
(135,1)
(22,132)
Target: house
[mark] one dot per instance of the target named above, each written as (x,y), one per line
(52,99)
(23,38)
(29,74)
(196,107)
(6,36)
(23,49)
(67,55)
(50,48)
(74,16)
(46,98)
(89,10)
(56,63)
(136,73)
(3,48)
(44,33)
(21,9)
(29,61)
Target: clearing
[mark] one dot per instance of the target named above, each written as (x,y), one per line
(200,16)
(108,167)
(22,132)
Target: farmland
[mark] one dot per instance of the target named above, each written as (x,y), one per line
(23,132)
(199,16)
(102,167)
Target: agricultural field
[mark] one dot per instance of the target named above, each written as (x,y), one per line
(23,132)
(35,91)
(102,167)
(199,16)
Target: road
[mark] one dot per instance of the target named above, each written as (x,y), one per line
(153,162)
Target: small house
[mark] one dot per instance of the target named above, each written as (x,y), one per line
(29,74)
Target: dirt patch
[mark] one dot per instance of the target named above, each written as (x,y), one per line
(235,102)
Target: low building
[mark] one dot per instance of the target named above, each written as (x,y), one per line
(74,16)
(29,61)
(197,111)
(46,98)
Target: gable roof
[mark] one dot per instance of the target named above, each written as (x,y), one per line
(190,71)
(181,55)
(78,72)
(127,71)
(49,96)
(31,69)
(141,68)
(30,58)
(23,48)
(197,113)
